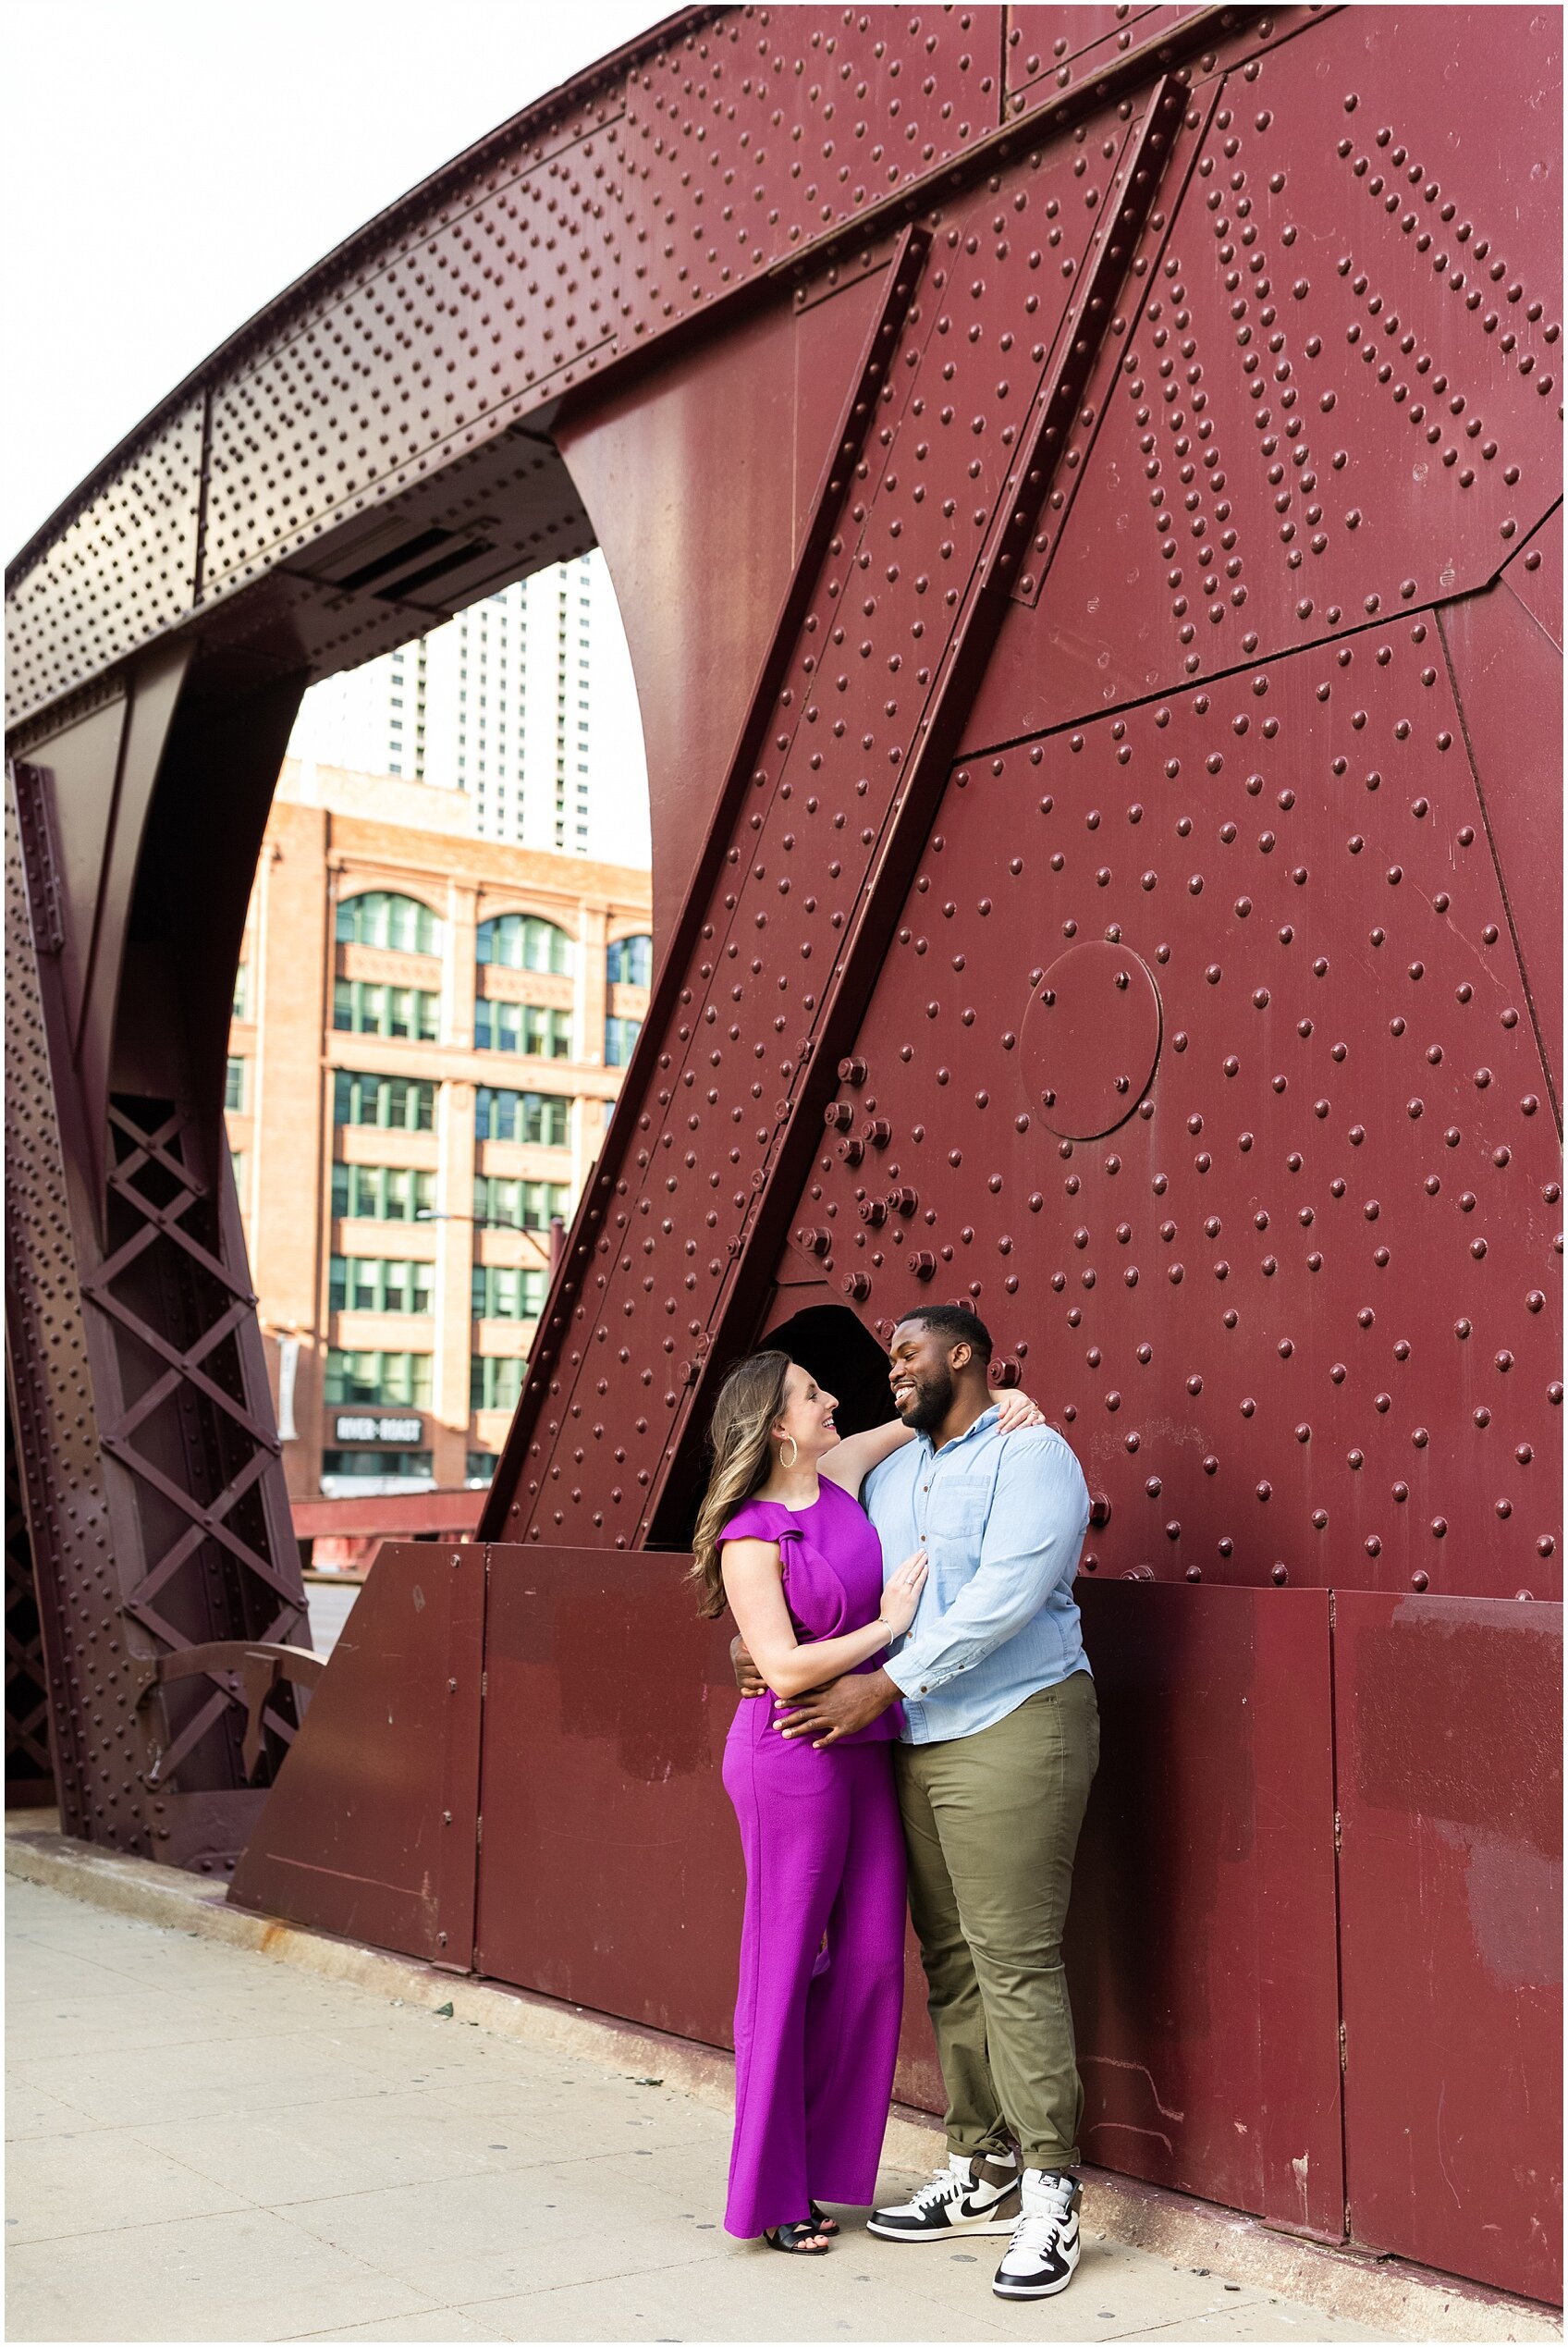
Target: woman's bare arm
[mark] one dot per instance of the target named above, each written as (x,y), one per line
(849,1462)
(753,1584)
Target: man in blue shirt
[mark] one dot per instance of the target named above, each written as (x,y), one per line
(1000,1746)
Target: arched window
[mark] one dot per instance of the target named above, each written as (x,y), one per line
(620,1037)
(629,960)
(401,922)
(523,941)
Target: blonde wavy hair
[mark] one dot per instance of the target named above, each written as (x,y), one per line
(750,1403)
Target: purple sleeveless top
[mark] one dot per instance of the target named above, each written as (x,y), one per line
(832,1574)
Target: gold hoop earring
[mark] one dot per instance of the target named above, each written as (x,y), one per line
(794,1451)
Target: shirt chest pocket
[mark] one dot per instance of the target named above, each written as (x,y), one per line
(955,1509)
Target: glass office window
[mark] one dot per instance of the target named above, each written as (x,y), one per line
(523,941)
(386,1380)
(506,1292)
(620,1037)
(400,1103)
(400,923)
(400,1465)
(494,1383)
(408,1011)
(521,1026)
(629,960)
(372,1284)
(522,1116)
(383,1193)
(501,1204)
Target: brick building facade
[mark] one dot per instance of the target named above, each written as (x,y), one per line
(427,1037)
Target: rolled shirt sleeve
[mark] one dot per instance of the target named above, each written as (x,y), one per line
(1030,1548)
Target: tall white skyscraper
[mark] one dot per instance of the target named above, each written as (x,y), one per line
(525,700)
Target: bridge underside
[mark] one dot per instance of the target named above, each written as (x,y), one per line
(1082,488)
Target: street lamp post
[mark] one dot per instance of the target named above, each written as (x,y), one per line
(490,1223)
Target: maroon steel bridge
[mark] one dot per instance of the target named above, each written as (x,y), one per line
(1083,488)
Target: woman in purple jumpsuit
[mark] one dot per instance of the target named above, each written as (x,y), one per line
(781,1537)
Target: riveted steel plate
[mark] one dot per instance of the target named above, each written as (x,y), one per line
(120,570)
(576,1765)
(1090,1040)
(1196,465)
(736,1021)
(758,132)
(1449,1717)
(370,1830)
(1343,398)
(1052,49)
(452,338)
(29,1760)
(1299,1315)
(700,579)
(577,1760)
(1535,575)
(1207,1859)
(1200,1940)
(1508,682)
(50,1391)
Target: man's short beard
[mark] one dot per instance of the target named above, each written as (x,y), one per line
(933,1400)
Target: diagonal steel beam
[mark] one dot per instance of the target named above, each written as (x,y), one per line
(935,743)
(943,573)
(499,1518)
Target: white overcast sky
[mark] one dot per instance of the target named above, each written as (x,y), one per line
(172,165)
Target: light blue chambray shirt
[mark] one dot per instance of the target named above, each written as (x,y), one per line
(1002,1517)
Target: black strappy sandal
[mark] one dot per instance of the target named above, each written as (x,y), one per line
(797,2240)
(824,2223)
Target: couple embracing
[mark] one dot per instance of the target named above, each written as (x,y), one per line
(926,1726)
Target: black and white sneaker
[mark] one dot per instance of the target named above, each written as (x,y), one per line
(1042,2256)
(966,2196)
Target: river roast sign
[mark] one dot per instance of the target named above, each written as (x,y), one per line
(347,1428)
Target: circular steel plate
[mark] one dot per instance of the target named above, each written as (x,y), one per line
(1091,1040)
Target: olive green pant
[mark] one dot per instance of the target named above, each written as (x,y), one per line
(991,1825)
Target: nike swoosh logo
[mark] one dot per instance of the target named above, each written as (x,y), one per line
(1067,2236)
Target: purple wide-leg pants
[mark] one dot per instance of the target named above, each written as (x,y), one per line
(816,2025)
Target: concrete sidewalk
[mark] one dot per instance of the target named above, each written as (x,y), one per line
(207,2145)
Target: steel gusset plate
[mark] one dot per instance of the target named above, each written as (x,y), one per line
(1343,399)
(1296,1304)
